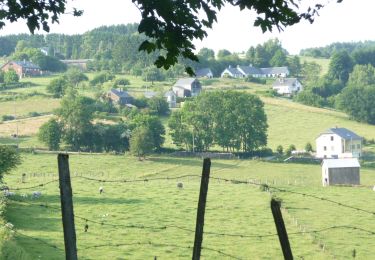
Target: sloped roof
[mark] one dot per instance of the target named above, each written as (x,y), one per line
(343,133)
(184,81)
(250,70)
(169,93)
(26,64)
(234,71)
(341,163)
(203,72)
(284,82)
(120,93)
(275,70)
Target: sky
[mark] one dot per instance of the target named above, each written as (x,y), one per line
(351,20)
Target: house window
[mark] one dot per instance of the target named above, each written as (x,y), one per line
(325,148)
(331,138)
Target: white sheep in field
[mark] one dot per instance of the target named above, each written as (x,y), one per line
(180,185)
(8,193)
(373,188)
(101,190)
(36,194)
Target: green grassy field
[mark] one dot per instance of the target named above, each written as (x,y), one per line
(293,123)
(321,61)
(238,209)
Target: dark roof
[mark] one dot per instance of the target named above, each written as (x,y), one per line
(120,93)
(285,82)
(343,133)
(275,70)
(184,81)
(203,72)
(234,71)
(250,70)
(26,64)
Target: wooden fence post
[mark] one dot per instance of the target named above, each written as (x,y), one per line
(67,207)
(201,209)
(281,230)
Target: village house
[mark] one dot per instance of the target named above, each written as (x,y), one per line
(287,86)
(246,71)
(340,172)
(187,87)
(338,143)
(232,73)
(22,68)
(204,73)
(119,97)
(171,99)
(275,72)
(81,63)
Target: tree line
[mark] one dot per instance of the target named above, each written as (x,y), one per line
(348,86)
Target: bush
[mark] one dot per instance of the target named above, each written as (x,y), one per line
(34,114)
(101,78)
(308,147)
(7,117)
(309,98)
(280,149)
(255,80)
(291,148)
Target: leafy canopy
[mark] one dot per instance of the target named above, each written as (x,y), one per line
(170,25)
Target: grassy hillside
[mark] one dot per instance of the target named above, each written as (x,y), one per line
(293,123)
(236,209)
(321,61)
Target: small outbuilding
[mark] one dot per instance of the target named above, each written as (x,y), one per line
(341,172)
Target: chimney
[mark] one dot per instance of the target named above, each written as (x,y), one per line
(230,66)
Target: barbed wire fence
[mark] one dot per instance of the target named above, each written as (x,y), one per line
(263,186)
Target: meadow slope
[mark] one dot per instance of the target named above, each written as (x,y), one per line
(140,220)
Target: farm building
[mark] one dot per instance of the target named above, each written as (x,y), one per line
(22,68)
(287,86)
(338,143)
(82,63)
(232,73)
(170,97)
(204,73)
(245,71)
(119,96)
(187,87)
(340,172)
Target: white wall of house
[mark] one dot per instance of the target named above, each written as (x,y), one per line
(289,89)
(333,146)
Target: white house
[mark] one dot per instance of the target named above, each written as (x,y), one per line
(340,172)
(245,71)
(187,87)
(170,97)
(338,143)
(274,72)
(204,73)
(287,86)
(232,73)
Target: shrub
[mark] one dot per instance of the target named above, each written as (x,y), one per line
(291,148)
(7,117)
(280,149)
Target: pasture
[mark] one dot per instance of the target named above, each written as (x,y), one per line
(140,220)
